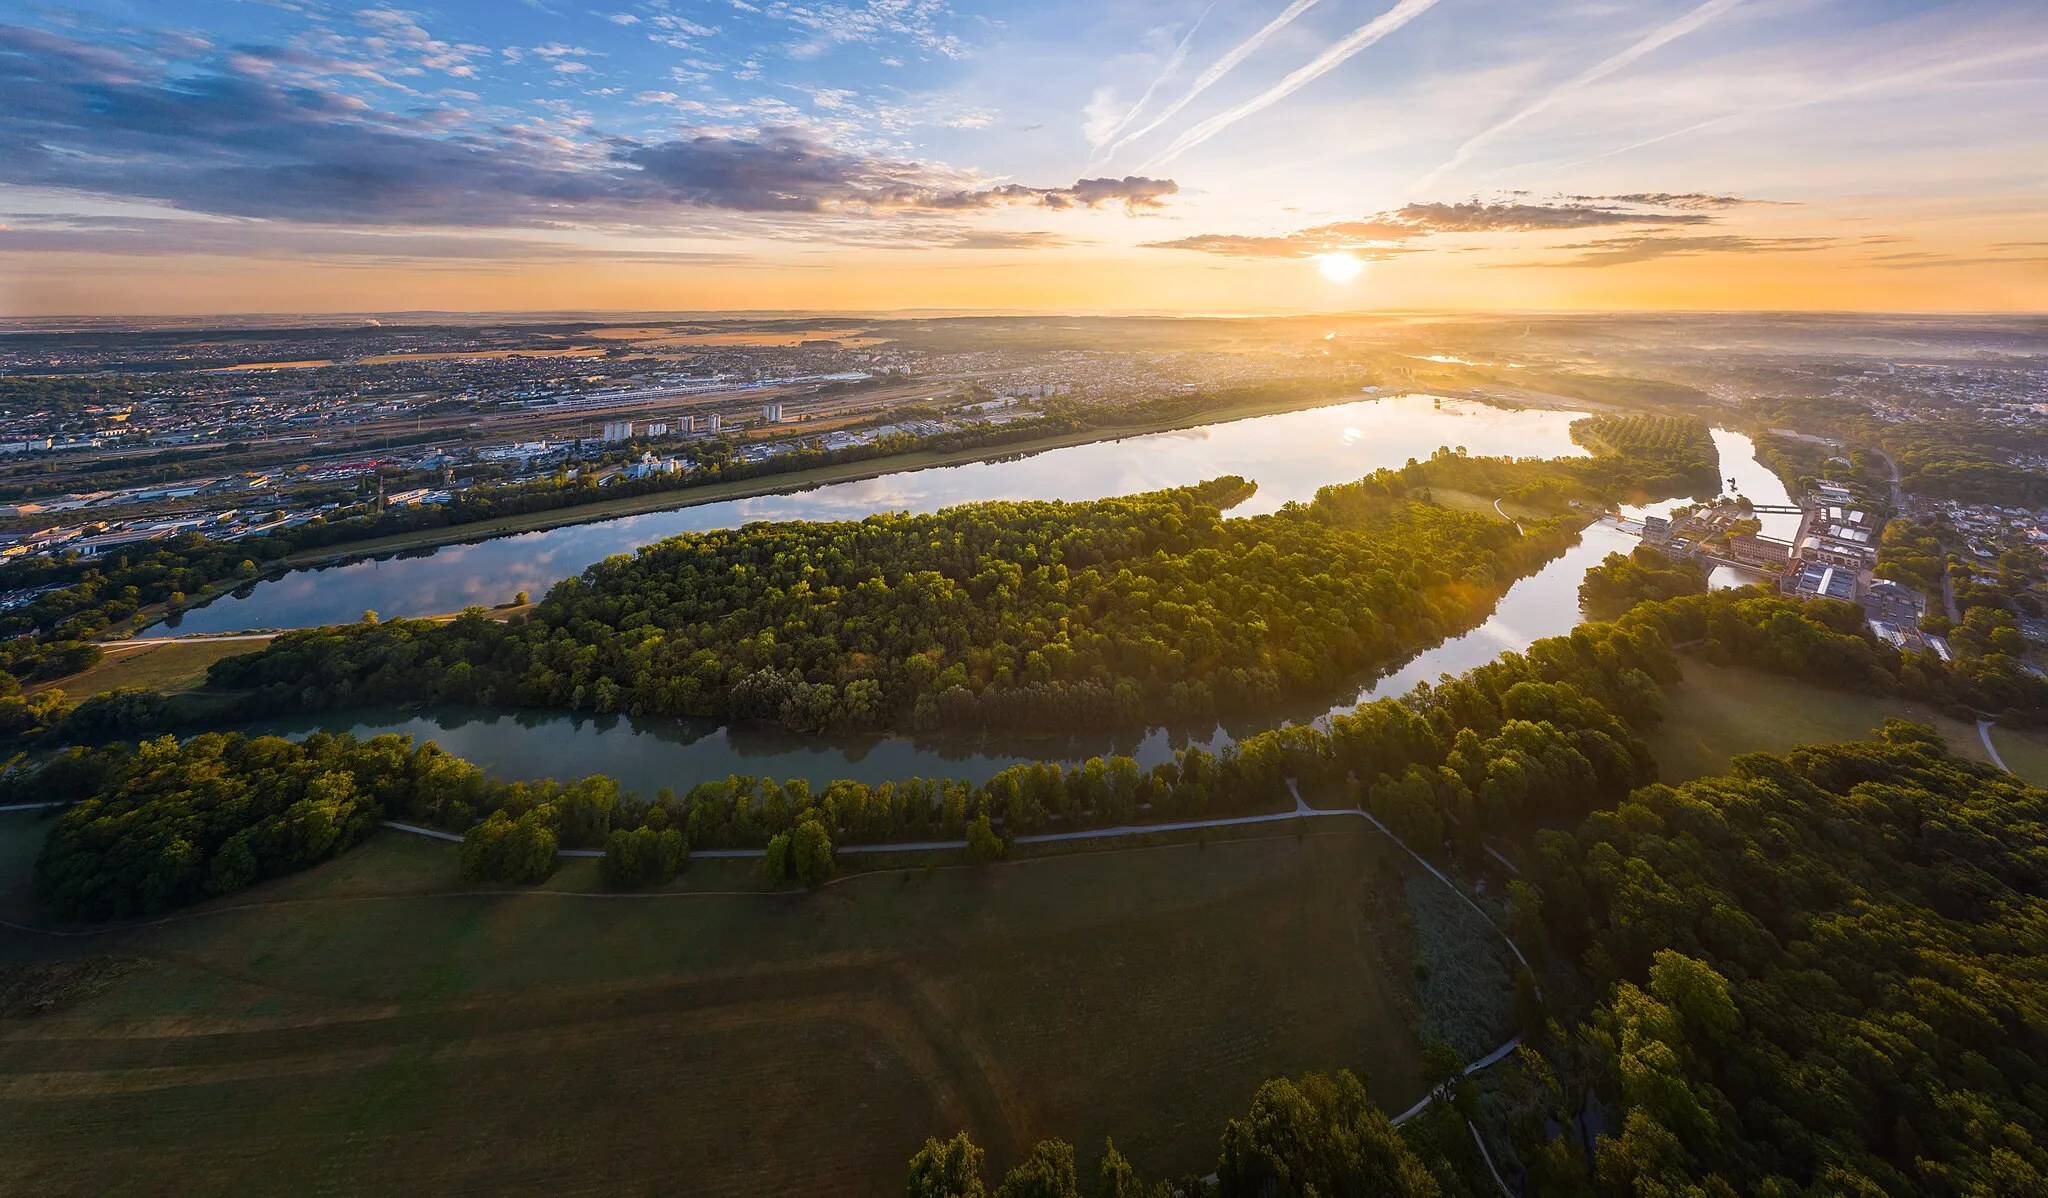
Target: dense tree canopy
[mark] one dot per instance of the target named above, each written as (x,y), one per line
(1018,615)
(1821,974)
(1618,583)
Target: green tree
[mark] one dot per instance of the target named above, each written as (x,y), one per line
(775,865)
(811,859)
(946,1169)
(1319,1136)
(983,845)
(1047,1173)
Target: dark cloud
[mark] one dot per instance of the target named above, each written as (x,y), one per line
(1647,247)
(53,233)
(1688,201)
(1378,234)
(233,141)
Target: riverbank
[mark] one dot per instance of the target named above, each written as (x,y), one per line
(795,480)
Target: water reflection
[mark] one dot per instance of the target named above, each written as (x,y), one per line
(646,754)
(1289,455)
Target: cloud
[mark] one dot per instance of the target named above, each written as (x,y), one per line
(239,144)
(1003,239)
(783,170)
(1647,247)
(1380,232)
(224,239)
(1322,64)
(1691,201)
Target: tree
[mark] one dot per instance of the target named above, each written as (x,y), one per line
(1117,1178)
(949,1169)
(1047,1173)
(983,845)
(1318,1136)
(811,858)
(775,864)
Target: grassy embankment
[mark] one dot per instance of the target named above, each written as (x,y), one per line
(370,1028)
(1719,712)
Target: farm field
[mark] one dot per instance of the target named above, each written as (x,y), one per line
(1718,712)
(364,1028)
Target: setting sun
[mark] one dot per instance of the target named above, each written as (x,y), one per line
(1338,268)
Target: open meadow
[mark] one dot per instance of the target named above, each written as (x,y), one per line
(1718,712)
(368,1028)
(171,668)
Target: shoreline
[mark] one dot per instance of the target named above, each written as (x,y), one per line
(779,484)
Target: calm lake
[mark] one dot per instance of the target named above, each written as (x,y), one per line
(1289,456)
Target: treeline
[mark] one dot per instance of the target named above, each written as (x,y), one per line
(1025,615)
(1529,737)
(1956,456)
(1620,582)
(160,825)
(1819,973)
(88,596)
(1801,464)
(48,716)
(1315,1136)
(1824,641)
(1915,553)
(1665,455)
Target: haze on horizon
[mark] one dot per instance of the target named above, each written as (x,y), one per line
(207,156)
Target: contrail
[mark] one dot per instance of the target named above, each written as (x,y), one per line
(1218,69)
(1928,73)
(1329,60)
(1657,38)
(1180,55)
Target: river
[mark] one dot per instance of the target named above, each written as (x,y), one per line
(1302,450)
(1289,455)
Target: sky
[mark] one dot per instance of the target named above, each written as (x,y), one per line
(1213,156)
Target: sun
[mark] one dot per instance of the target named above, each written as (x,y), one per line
(1338,267)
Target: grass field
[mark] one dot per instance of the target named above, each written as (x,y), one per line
(169,668)
(2024,753)
(1718,712)
(370,1031)
(1483,505)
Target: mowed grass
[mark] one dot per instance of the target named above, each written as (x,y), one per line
(1718,712)
(366,1029)
(171,668)
(2025,753)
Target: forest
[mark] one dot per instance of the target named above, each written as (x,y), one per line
(1667,455)
(1953,455)
(87,596)
(1528,737)
(1024,615)
(1620,582)
(1816,973)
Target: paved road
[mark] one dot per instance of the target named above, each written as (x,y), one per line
(1301,810)
(195,639)
(1984,734)
(1508,518)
